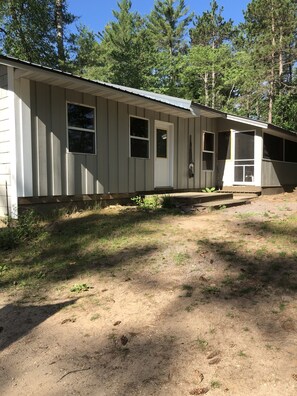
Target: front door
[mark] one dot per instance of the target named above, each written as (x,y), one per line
(244,161)
(163,154)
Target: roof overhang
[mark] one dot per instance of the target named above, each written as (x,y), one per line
(247,121)
(132,97)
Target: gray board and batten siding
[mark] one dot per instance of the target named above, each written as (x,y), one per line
(57,172)
(5,157)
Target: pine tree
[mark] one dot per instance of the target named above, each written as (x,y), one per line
(125,48)
(33,30)
(271,31)
(167,24)
(208,35)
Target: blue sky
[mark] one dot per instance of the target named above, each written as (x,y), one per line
(97,13)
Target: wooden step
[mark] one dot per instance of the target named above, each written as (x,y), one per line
(242,190)
(223,203)
(191,198)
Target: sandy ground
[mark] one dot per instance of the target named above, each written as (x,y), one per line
(203,322)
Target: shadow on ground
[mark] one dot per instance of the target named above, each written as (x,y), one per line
(17,320)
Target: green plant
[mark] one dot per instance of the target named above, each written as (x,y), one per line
(167,202)
(150,202)
(209,189)
(25,228)
(79,287)
(3,268)
(189,290)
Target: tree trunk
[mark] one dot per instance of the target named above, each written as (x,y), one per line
(60,30)
(206,93)
(213,79)
(271,92)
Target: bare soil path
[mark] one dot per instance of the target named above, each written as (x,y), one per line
(211,307)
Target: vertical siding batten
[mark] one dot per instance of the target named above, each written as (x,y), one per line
(191,183)
(102,146)
(123,148)
(113,146)
(149,163)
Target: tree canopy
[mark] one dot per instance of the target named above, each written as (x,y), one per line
(248,69)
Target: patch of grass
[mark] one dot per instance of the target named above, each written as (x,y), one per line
(282,307)
(211,290)
(228,281)
(20,231)
(215,384)
(149,202)
(246,215)
(201,343)
(81,243)
(79,287)
(230,315)
(95,317)
(180,258)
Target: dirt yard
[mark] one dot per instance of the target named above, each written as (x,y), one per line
(205,303)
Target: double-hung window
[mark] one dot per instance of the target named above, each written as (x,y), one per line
(208,149)
(81,128)
(139,137)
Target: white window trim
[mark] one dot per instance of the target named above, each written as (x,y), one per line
(139,138)
(81,129)
(207,151)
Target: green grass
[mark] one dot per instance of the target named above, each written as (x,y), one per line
(89,242)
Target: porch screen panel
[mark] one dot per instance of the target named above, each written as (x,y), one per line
(244,145)
(273,148)
(290,151)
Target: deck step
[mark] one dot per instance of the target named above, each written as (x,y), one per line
(197,198)
(225,203)
(241,190)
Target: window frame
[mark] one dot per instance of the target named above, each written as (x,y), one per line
(208,151)
(81,129)
(139,137)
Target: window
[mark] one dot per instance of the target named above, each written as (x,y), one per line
(161,143)
(81,129)
(208,151)
(224,152)
(139,137)
(273,147)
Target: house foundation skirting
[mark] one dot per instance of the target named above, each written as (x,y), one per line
(47,204)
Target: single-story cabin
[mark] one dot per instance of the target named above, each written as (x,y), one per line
(64,138)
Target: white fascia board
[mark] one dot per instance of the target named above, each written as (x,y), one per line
(247,121)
